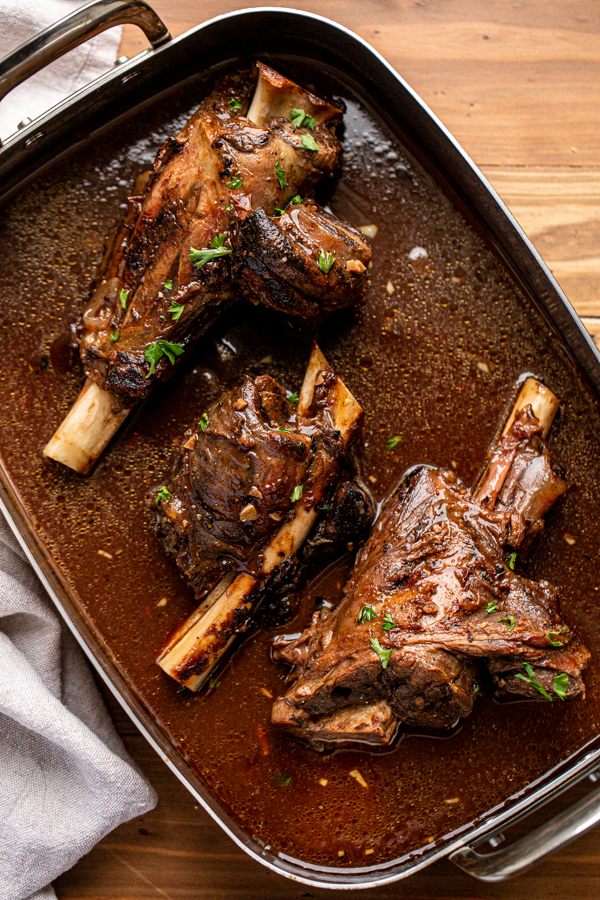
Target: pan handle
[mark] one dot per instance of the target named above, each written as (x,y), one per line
(73,30)
(528,850)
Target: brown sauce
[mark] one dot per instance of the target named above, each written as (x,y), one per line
(434,362)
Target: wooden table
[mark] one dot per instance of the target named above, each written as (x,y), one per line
(518,83)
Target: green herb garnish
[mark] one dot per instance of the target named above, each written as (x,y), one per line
(366,614)
(114,336)
(531,679)
(278,212)
(203,421)
(293,398)
(168,285)
(280,175)
(388,623)
(285,430)
(297,493)
(553,638)
(384,655)
(393,442)
(156,351)
(326,260)
(282,780)
(492,607)
(560,684)
(123,295)
(234,104)
(510,620)
(308,142)
(199,258)
(296,200)
(236,182)
(477,690)
(218,242)
(176,309)
(300,119)
(213,684)
(163,494)
(512,561)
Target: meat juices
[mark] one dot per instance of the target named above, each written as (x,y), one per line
(249,483)
(226,213)
(433,594)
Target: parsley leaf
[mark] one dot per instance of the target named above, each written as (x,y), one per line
(560,684)
(278,212)
(293,398)
(236,182)
(176,309)
(203,421)
(492,607)
(280,175)
(168,285)
(163,494)
(299,119)
(510,620)
(296,200)
(326,260)
(123,295)
(388,622)
(282,780)
(393,442)
(531,679)
(199,258)
(234,104)
(284,430)
(366,614)
(512,561)
(229,207)
(114,336)
(554,635)
(308,142)
(477,690)
(297,493)
(213,684)
(156,351)
(218,242)
(384,655)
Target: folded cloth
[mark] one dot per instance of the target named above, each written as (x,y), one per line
(65,777)
(21,20)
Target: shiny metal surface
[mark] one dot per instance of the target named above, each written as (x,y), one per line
(133,82)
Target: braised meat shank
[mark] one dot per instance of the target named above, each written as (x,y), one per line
(432,597)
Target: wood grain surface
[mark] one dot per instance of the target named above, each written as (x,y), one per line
(518,83)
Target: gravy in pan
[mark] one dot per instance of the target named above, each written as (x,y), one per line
(433,357)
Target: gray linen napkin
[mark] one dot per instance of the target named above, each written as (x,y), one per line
(65,777)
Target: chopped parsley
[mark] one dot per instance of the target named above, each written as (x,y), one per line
(213,684)
(199,258)
(278,212)
(234,104)
(326,260)
(552,637)
(388,622)
(163,494)
(296,200)
(114,336)
(203,421)
(477,690)
(297,493)
(285,430)
(531,679)
(123,295)
(168,285)
(510,620)
(282,780)
(156,351)
(300,119)
(560,684)
(293,398)
(492,607)
(308,142)
(512,561)
(229,207)
(236,182)
(393,442)
(176,309)
(280,175)
(366,614)
(384,655)
(218,242)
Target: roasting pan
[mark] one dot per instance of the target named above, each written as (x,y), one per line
(66,129)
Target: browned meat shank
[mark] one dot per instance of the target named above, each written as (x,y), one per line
(225,213)
(433,593)
(249,481)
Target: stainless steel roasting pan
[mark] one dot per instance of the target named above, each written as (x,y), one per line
(168,63)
